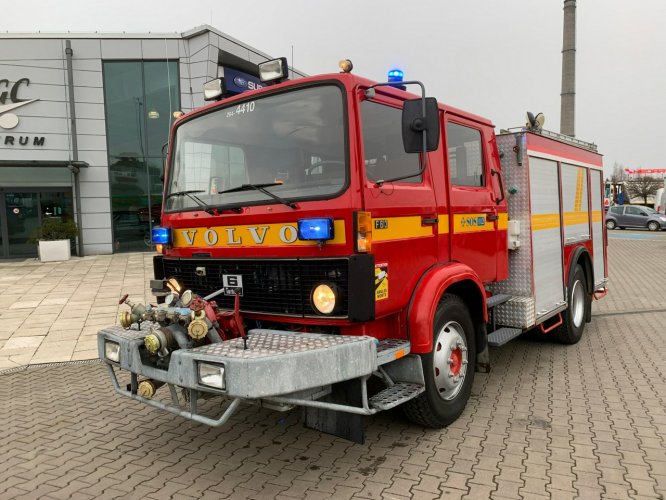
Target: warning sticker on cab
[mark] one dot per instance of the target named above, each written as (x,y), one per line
(381,281)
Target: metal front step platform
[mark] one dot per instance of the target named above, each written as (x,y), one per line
(498,299)
(391,349)
(502,336)
(395,395)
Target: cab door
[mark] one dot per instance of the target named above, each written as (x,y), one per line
(404,214)
(474,210)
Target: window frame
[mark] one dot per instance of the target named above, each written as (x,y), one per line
(396,104)
(484,166)
(637,210)
(243,98)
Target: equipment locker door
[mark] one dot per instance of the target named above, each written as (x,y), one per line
(546,236)
(474,211)
(596,190)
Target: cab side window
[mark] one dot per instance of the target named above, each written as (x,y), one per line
(633,211)
(465,155)
(385,156)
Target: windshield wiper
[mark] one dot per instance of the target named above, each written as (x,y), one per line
(262,189)
(190,194)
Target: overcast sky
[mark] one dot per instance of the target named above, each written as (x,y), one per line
(494,58)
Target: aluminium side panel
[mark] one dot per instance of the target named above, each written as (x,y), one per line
(598,257)
(546,235)
(519,311)
(575,204)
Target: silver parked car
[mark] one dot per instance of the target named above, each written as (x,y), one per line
(635,216)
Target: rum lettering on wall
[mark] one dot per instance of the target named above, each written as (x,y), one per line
(22,140)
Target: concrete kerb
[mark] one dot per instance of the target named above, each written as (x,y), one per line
(37,366)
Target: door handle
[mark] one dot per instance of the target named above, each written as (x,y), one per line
(429,220)
(501,185)
(492,217)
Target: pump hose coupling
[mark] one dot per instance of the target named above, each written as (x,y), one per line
(198,327)
(152,343)
(159,341)
(147,388)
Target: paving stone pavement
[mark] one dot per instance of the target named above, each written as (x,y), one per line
(549,421)
(52,311)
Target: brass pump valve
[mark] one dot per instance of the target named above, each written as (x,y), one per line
(134,315)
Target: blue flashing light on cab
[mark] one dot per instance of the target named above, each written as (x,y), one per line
(395,75)
(315,229)
(161,236)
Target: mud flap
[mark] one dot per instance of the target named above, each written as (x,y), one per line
(483,361)
(337,423)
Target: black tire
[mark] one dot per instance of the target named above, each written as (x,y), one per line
(653,226)
(578,300)
(444,399)
(610,224)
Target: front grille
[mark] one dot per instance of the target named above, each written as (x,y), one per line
(277,286)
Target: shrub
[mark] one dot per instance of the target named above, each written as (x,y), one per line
(55,229)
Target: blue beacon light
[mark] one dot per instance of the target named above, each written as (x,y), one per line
(315,229)
(161,236)
(395,75)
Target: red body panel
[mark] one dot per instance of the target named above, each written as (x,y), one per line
(566,151)
(423,307)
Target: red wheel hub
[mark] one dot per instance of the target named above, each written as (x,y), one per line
(456,361)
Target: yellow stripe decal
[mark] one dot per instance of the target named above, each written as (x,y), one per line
(573,218)
(471,223)
(545,221)
(255,235)
(551,221)
(399,228)
(503,222)
(443,226)
(578,201)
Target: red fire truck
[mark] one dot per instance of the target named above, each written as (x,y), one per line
(346,246)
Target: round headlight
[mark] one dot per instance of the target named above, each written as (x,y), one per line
(323,298)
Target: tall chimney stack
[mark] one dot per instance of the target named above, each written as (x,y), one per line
(568,95)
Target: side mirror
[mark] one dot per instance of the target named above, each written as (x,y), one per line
(414,123)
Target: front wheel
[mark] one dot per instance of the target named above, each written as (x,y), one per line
(574,317)
(448,369)
(653,226)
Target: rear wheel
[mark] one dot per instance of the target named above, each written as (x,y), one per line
(574,317)
(448,369)
(653,226)
(610,224)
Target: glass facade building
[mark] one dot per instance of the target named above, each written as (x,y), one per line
(139,99)
(83,122)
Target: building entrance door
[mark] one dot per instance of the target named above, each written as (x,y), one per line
(22,211)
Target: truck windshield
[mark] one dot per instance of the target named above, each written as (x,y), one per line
(293,142)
